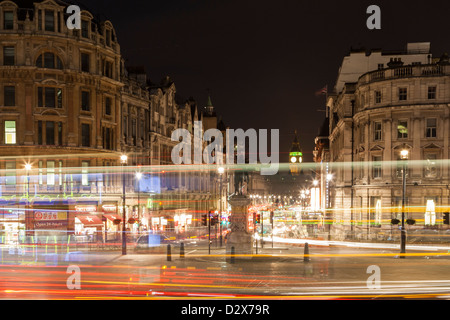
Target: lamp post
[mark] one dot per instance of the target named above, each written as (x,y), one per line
(27,213)
(138,178)
(404,157)
(123,161)
(221,171)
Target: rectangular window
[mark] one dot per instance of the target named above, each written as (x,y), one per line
(85,135)
(40,133)
(377,96)
(125,126)
(60,133)
(108,37)
(10,96)
(85,28)
(85,101)
(85,62)
(376,167)
(432,93)
(430,169)
(402,129)
(9,56)
(108,103)
(8,20)
(380,66)
(50,133)
(50,97)
(41,173)
(402,94)
(431,128)
(377,131)
(10,176)
(85,173)
(49,20)
(10,132)
(50,173)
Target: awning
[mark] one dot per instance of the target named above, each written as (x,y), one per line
(112,217)
(90,220)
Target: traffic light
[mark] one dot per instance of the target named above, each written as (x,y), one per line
(258,218)
(271,217)
(214,220)
(204,220)
(446,218)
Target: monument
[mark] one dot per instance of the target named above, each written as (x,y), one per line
(239,238)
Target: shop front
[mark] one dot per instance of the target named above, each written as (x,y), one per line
(12,226)
(88,224)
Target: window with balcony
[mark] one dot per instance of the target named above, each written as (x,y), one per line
(10,132)
(9,56)
(8,20)
(9,96)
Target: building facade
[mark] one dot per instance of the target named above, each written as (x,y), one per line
(402,104)
(69,108)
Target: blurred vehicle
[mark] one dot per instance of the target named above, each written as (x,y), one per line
(155,241)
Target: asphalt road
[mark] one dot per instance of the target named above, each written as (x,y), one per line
(333,272)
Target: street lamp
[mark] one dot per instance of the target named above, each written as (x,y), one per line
(123,161)
(404,157)
(138,178)
(221,171)
(28,167)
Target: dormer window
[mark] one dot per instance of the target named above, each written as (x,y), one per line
(108,37)
(8,20)
(49,20)
(85,28)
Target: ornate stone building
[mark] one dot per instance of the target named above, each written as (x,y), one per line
(69,108)
(402,103)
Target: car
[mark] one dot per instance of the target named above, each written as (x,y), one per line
(154,241)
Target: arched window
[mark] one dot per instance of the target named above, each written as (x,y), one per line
(49,60)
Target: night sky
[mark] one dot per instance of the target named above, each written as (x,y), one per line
(263,61)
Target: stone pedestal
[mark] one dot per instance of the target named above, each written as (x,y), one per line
(239,238)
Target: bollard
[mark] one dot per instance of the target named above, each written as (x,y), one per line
(306,253)
(169,253)
(232,255)
(182,250)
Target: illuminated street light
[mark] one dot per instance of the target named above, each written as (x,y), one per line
(138,178)
(123,161)
(315,183)
(404,154)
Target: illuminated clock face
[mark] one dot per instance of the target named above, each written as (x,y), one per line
(293,159)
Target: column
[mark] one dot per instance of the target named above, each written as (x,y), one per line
(239,238)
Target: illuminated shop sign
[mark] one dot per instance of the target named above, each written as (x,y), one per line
(86,208)
(50,215)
